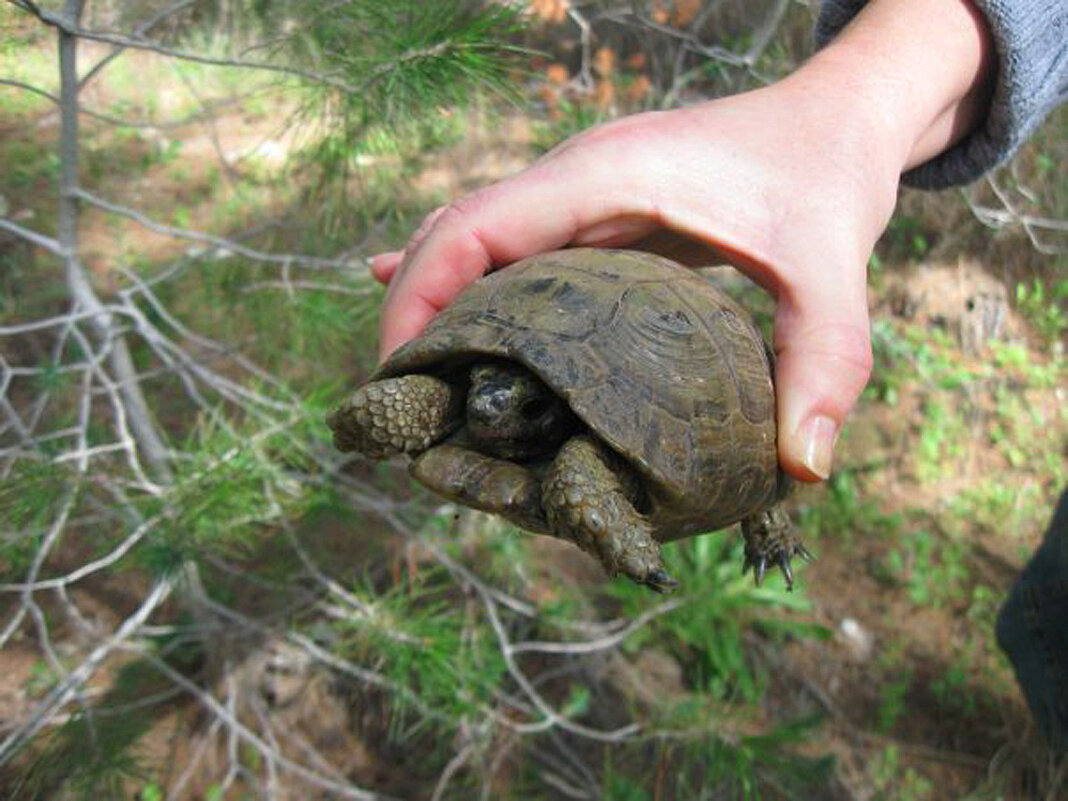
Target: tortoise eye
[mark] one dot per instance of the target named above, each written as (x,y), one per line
(535,408)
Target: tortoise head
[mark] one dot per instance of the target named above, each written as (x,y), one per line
(512,414)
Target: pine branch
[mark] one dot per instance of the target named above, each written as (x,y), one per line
(70,28)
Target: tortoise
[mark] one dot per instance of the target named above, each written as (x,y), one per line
(612,398)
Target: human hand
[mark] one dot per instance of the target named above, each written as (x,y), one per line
(792,183)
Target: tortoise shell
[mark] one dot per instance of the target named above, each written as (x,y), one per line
(658,362)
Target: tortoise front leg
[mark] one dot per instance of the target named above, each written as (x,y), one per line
(406,414)
(588,498)
(770,540)
(483,482)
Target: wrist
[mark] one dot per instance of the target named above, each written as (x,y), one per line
(911,77)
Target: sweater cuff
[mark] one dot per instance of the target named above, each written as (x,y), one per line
(1030,39)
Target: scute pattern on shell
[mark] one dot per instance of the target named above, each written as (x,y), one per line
(662,366)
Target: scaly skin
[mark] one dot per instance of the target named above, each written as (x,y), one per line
(483,482)
(770,539)
(588,497)
(396,415)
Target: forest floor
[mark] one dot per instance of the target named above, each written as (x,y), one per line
(946,474)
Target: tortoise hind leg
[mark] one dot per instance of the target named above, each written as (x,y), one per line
(770,540)
(406,414)
(587,497)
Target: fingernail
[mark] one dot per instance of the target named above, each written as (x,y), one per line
(819,433)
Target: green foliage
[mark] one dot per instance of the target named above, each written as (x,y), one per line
(941,435)
(427,53)
(33,165)
(930,356)
(29,503)
(1010,509)
(89,759)
(1029,436)
(767,754)
(1045,306)
(892,783)
(845,511)
(573,118)
(420,638)
(905,238)
(508,555)
(930,567)
(892,695)
(707,634)
(95,753)
(623,788)
(234,481)
(402,63)
(306,334)
(951,688)
(715,763)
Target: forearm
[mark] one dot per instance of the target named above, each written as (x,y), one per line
(1027,77)
(914,76)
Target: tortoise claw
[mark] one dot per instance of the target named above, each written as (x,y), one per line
(770,540)
(759,565)
(660,581)
(787,571)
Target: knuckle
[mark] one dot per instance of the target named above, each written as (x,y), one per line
(461,208)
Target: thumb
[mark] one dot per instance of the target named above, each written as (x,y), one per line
(823,350)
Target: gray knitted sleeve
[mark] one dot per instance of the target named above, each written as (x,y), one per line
(1031,41)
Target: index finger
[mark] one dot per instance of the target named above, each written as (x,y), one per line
(522,216)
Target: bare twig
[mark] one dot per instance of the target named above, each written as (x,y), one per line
(72,29)
(162,15)
(207,110)
(69,687)
(225,246)
(239,730)
(42,241)
(607,641)
(1009,215)
(550,716)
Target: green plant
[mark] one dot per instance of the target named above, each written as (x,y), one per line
(892,694)
(95,753)
(572,118)
(908,353)
(624,788)
(930,567)
(906,237)
(715,761)
(844,511)
(941,434)
(420,639)
(891,783)
(30,502)
(951,688)
(707,633)
(1045,305)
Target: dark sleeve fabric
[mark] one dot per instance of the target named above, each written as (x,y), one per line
(1032,629)
(1031,43)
